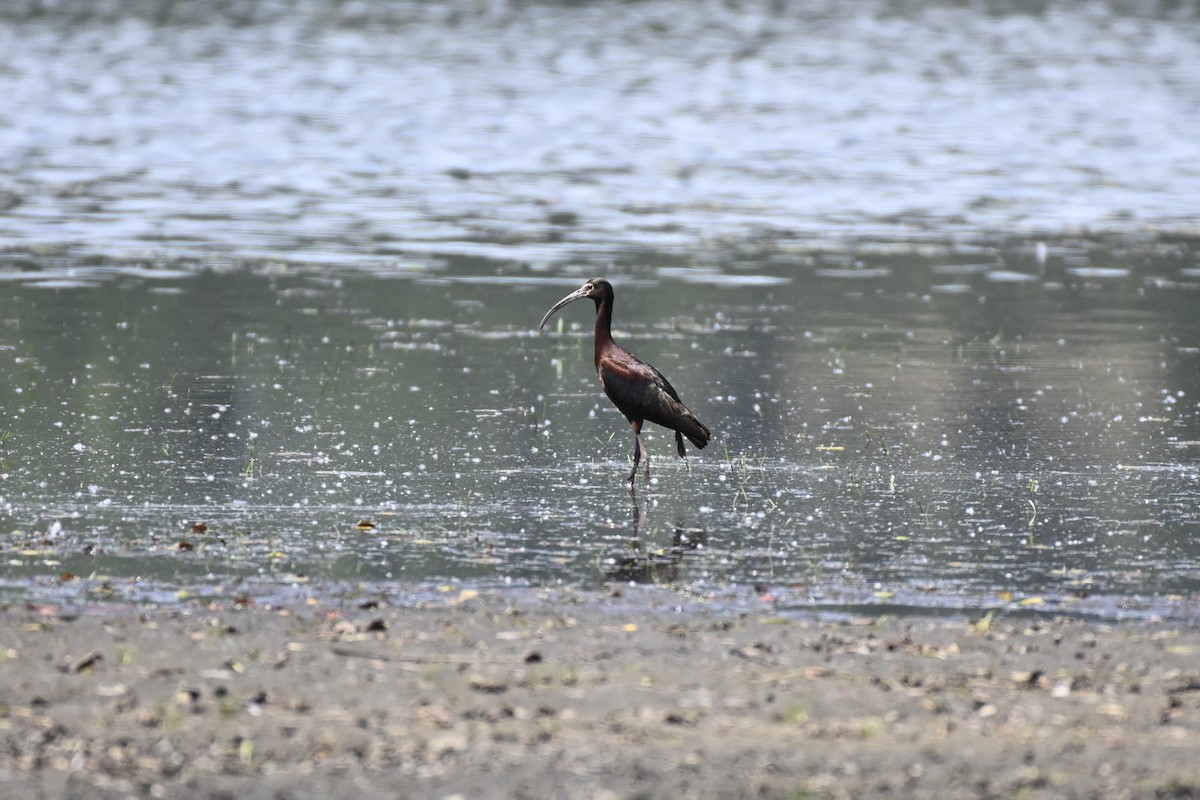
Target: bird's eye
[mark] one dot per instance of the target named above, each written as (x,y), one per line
(587,287)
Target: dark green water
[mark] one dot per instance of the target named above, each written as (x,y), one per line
(916,430)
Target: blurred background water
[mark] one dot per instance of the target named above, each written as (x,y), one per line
(929,271)
(343,131)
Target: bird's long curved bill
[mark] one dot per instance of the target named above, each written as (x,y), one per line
(578,294)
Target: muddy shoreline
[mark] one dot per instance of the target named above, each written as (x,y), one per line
(575,697)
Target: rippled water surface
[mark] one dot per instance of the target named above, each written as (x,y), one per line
(935,432)
(271,276)
(336,131)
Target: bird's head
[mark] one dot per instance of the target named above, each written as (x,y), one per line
(597,289)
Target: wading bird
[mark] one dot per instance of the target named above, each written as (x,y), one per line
(638,390)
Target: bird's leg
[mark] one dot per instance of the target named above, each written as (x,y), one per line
(647,452)
(637,452)
(639,522)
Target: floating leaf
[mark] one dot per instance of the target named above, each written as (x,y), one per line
(365,525)
(1033,601)
(199,527)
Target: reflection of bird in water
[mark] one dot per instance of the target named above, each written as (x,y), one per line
(637,389)
(656,567)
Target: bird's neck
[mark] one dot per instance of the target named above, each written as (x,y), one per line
(603,327)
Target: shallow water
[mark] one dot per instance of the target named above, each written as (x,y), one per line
(930,274)
(935,433)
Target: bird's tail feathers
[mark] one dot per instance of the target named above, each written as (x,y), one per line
(696,432)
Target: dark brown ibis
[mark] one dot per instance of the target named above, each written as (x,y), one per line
(638,390)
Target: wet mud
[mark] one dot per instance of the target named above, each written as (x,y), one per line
(578,695)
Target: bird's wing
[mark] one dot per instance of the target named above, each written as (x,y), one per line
(640,391)
(663,383)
